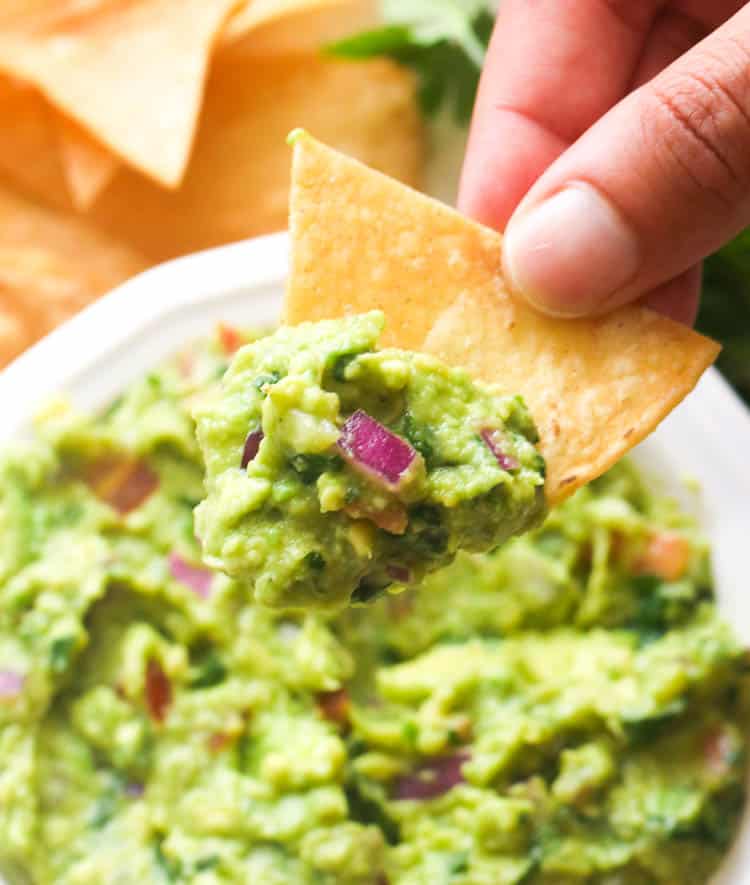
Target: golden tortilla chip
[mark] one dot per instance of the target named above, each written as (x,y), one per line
(595,387)
(51,265)
(47,155)
(284,27)
(130,73)
(28,145)
(237,183)
(88,165)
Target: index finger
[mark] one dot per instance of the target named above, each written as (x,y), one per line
(552,70)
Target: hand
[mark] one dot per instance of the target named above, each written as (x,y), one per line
(612,137)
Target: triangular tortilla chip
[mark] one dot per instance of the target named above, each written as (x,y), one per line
(51,265)
(282,27)
(237,182)
(595,387)
(131,73)
(28,149)
(87,164)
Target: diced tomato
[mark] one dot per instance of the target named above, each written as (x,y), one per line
(335,706)
(667,555)
(230,338)
(122,482)
(393,519)
(158,691)
(219,741)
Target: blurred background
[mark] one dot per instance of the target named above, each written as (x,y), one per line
(134,131)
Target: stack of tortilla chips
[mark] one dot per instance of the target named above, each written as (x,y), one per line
(134,131)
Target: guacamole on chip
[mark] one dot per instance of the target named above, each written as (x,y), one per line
(335,470)
(567,710)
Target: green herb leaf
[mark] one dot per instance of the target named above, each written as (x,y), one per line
(61,653)
(421,436)
(366,808)
(209,862)
(106,805)
(209,672)
(266,380)
(170,869)
(410,732)
(457,863)
(315,561)
(442,41)
(310,467)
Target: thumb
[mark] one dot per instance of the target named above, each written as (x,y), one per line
(658,183)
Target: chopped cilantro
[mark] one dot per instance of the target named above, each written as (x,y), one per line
(340,364)
(315,561)
(209,862)
(105,806)
(421,436)
(368,591)
(268,378)
(61,653)
(443,41)
(209,672)
(365,809)
(410,732)
(170,868)
(310,467)
(457,862)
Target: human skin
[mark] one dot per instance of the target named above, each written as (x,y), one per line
(611,141)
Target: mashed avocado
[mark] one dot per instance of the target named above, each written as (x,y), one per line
(569,710)
(335,470)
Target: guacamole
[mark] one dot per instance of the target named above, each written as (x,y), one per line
(568,710)
(335,470)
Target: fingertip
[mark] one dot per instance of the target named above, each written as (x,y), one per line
(571,254)
(679,298)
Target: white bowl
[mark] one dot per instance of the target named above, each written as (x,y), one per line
(93,356)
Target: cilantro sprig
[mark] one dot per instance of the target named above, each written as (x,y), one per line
(442,41)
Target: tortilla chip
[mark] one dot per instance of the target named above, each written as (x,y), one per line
(237,184)
(28,148)
(88,165)
(285,27)
(595,387)
(51,265)
(130,73)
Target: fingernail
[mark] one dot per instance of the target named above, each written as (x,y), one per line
(569,254)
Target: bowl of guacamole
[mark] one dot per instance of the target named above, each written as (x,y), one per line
(569,708)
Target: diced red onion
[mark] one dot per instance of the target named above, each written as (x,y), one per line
(400,573)
(196,578)
(252,444)
(494,441)
(369,446)
(11,684)
(431,779)
(134,790)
